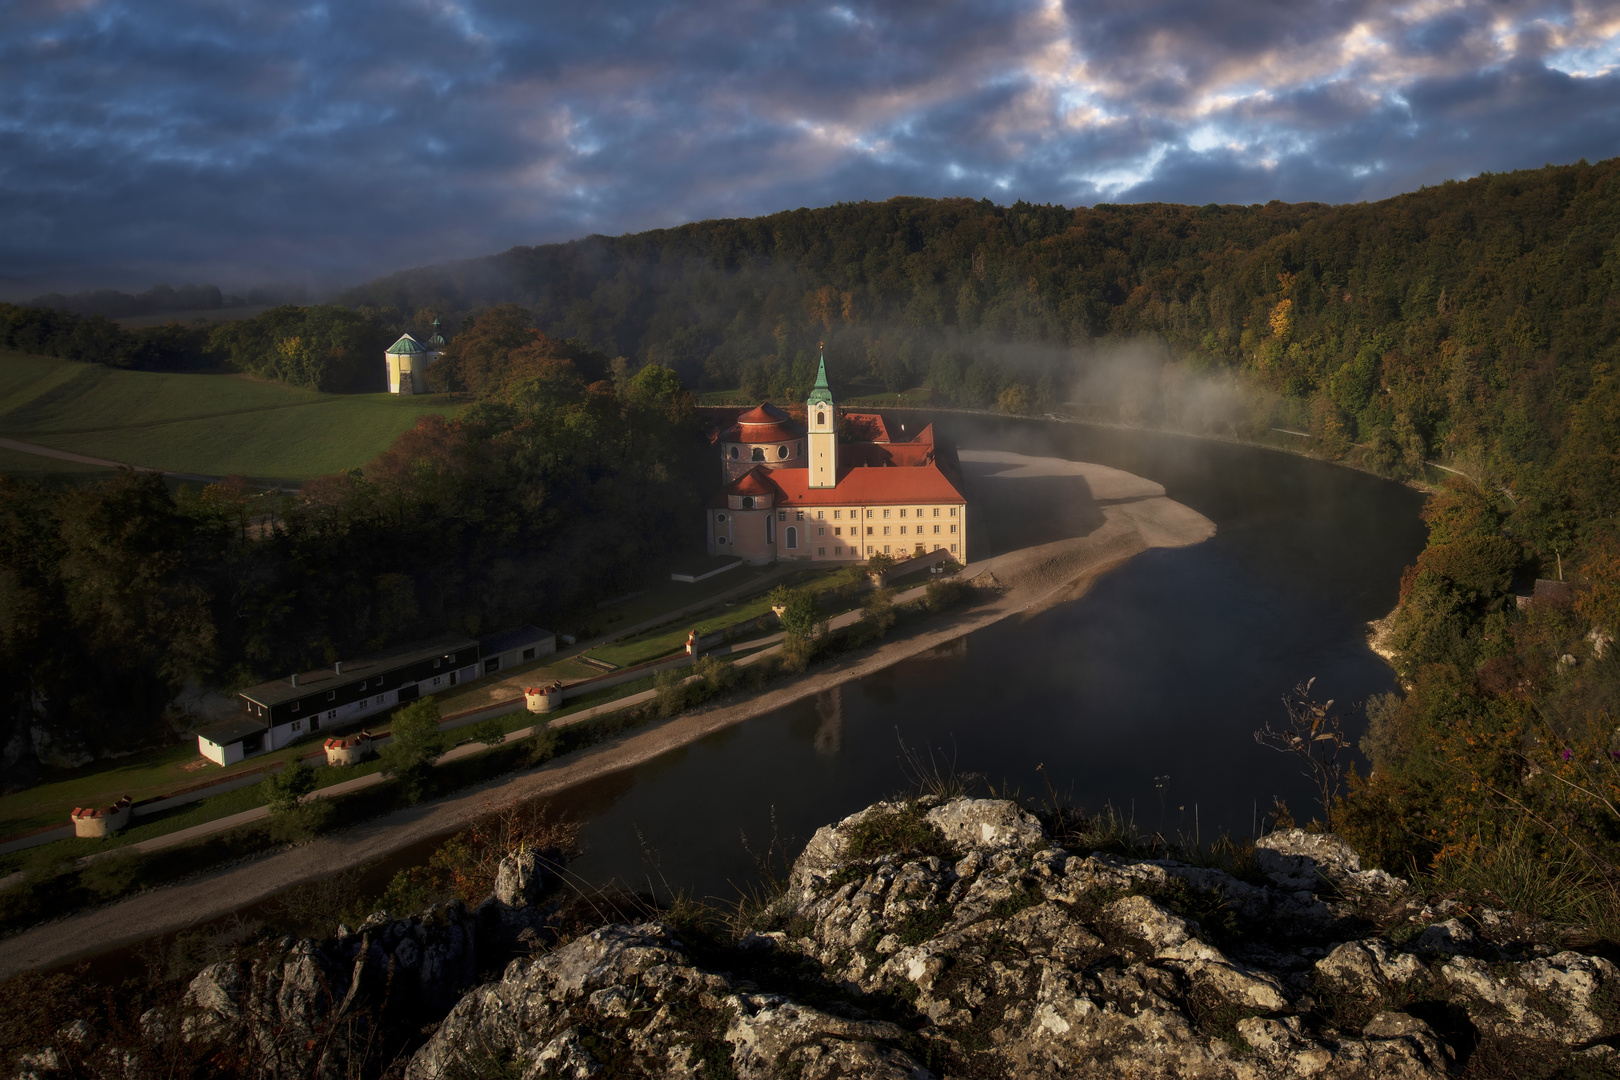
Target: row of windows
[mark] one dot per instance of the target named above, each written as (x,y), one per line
(838,530)
(855,551)
(758,453)
(837,515)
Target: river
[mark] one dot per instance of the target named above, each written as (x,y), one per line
(1142,695)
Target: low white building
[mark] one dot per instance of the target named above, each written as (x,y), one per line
(277,713)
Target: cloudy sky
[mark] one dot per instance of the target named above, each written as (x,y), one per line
(245,142)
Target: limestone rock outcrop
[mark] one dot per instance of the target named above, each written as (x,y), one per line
(937,938)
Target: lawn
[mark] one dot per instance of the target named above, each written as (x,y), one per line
(211,424)
(661,641)
(140,776)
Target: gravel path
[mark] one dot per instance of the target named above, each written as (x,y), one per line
(1134,513)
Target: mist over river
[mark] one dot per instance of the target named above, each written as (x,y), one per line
(1143,694)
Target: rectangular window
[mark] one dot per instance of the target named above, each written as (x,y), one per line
(953,547)
(869,549)
(781,515)
(953,511)
(953,528)
(435,665)
(869,513)
(298,725)
(332,715)
(331,695)
(936,530)
(885,549)
(902,528)
(528,654)
(821,531)
(885,530)
(919,511)
(936,511)
(821,551)
(902,513)
(837,514)
(821,515)
(437,680)
(885,511)
(838,530)
(838,551)
(493,664)
(799,515)
(869,530)
(296,705)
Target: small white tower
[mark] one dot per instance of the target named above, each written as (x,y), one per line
(821,418)
(408,362)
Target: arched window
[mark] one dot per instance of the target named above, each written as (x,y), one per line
(759,453)
(748,502)
(821,419)
(792,538)
(781,451)
(734,453)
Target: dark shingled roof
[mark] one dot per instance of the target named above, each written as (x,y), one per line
(279,690)
(228,731)
(512,639)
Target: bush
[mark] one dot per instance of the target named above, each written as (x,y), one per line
(878,612)
(416,743)
(945,593)
(283,789)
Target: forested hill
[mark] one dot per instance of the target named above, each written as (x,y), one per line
(1461,320)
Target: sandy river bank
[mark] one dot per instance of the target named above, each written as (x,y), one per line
(1117,515)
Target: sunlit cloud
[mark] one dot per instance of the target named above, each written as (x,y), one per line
(177,139)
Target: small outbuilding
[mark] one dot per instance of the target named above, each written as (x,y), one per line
(502,652)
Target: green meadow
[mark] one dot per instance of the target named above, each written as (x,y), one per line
(209,424)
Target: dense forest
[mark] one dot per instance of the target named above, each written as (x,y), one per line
(563,477)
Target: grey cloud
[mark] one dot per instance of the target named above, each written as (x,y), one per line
(258,141)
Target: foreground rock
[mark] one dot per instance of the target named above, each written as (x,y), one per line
(955,939)
(930,939)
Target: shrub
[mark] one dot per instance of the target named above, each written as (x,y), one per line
(416,743)
(878,612)
(283,789)
(944,594)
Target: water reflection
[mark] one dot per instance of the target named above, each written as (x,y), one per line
(1143,694)
(830,733)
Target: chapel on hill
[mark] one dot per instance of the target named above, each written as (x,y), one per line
(839,487)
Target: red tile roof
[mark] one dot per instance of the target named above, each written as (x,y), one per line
(755,481)
(763,414)
(763,433)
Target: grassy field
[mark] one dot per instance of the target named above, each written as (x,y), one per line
(662,641)
(213,425)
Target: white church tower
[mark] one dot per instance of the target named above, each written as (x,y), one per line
(821,418)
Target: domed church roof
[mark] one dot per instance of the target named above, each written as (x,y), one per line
(763,414)
(405,346)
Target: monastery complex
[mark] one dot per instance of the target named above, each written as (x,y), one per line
(842,486)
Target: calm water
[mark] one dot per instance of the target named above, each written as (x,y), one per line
(1143,694)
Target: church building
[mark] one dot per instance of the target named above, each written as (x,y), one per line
(840,487)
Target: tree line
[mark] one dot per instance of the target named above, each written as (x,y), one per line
(561,481)
(328,347)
